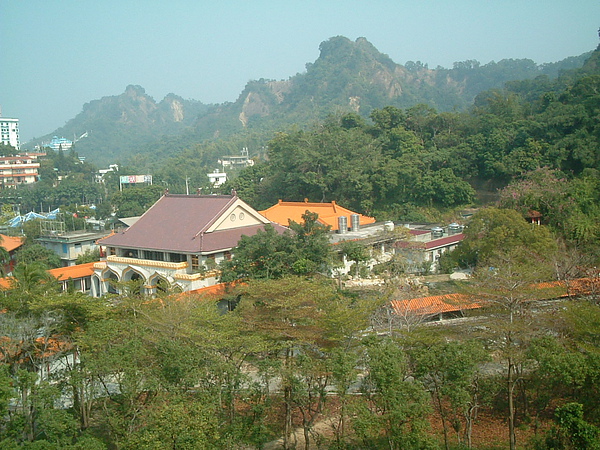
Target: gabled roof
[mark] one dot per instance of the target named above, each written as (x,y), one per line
(442,242)
(190,224)
(10,243)
(283,212)
(432,244)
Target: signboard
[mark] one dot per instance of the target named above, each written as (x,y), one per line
(132,179)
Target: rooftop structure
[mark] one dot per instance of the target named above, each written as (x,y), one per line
(72,244)
(426,246)
(236,162)
(217,178)
(329,214)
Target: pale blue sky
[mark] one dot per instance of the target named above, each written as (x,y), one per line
(58,55)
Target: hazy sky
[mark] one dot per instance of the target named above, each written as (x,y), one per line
(56,55)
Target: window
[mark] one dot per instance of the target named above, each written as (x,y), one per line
(177,257)
(195,264)
(153,256)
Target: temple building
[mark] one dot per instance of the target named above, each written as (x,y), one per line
(177,244)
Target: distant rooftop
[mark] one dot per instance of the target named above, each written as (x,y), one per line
(328,213)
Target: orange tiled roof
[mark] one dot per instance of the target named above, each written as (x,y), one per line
(44,347)
(6,283)
(283,212)
(78,271)
(458,302)
(434,305)
(11,243)
(214,290)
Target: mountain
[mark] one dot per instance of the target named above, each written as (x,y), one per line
(347,76)
(116,125)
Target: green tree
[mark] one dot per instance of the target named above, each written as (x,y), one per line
(571,430)
(88,256)
(136,200)
(394,408)
(37,253)
(300,320)
(450,372)
(7,150)
(356,252)
(506,283)
(311,242)
(493,231)
(267,254)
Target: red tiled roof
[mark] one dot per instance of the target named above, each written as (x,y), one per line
(434,243)
(328,213)
(74,272)
(448,240)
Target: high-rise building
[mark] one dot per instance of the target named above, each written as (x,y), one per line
(9,132)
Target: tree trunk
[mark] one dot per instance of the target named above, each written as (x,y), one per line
(306,427)
(287,401)
(511,407)
(443,416)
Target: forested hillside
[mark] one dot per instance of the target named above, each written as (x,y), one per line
(420,156)
(118,125)
(347,77)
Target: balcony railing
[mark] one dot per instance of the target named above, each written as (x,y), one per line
(147,262)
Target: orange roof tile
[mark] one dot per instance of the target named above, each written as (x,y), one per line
(10,243)
(434,305)
(328,213)
(214,290)
(78,271)
(6,283)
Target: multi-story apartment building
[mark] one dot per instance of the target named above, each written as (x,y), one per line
(9,132)
(15,170)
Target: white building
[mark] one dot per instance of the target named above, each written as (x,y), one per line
(9,132)
(217,178)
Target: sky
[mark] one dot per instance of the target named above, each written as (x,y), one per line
(57,55)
